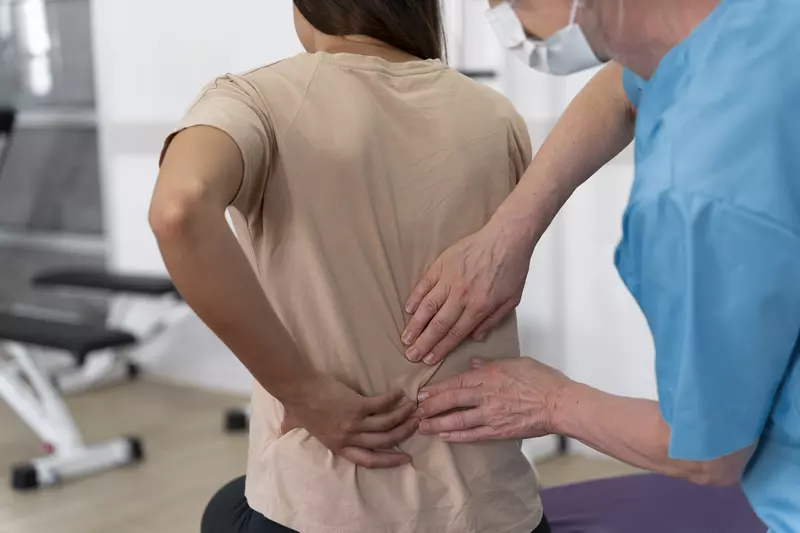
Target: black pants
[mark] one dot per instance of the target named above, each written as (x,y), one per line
(228,512)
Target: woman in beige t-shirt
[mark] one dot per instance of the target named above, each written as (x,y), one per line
(347,171)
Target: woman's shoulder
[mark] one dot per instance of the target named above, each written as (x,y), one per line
(484,101)
(276,89)
(295,70)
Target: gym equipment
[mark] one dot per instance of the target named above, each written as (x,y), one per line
(115,366)
(7,120)
(237,420)
(125,292)
(32,395)
(651,503)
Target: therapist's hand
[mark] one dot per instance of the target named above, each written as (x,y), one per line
(365,431)
(513,399)
(470,289)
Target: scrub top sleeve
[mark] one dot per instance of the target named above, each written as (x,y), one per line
(634,85)
(720,288)
(233,106)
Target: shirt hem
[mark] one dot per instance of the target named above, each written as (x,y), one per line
(528,525)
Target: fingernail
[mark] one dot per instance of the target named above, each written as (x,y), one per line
(424,427)
(407,338)
(422,396)
(410,308)
(430,359)
(412,354)
(444,436)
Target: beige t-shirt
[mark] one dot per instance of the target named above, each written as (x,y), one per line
(358,174)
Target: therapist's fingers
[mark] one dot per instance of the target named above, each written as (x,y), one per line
(388,421)
(430,306)
(495,319)
(454,337)
(448,401)
(454,422)
(476,434)
(436,328)
(374,459)
(467,380)
(424,287)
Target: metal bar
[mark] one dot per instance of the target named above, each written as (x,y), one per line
(479,74)
(32,311)
(66,436)
(47,2)
(79,117)
(89,245)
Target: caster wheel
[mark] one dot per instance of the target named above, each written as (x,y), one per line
(236,421)
(24,477)
(133,371)
(137,449)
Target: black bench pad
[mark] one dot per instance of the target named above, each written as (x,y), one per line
(106,281)
(78,339)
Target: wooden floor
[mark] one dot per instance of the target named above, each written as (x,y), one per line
(188,458)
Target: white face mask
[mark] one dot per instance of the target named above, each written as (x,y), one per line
(566,52)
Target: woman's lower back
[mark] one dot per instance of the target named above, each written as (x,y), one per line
(470,488)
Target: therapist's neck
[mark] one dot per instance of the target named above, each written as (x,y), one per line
(646,30)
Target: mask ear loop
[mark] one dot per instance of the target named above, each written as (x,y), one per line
(574,13)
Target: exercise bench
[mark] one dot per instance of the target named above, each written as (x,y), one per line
(30,392)
(115,366)
(125,291)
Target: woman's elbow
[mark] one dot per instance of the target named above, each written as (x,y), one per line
(173,215)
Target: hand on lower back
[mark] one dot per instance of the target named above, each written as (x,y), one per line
(469,290)
(365,431)
(512,399)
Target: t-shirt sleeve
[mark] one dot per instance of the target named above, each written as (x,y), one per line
(634,85)
(720,288)
(231,105)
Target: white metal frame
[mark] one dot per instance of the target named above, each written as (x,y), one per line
(30,393)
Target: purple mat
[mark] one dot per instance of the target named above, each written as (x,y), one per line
(648,504)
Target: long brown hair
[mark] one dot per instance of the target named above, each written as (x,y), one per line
(413,26)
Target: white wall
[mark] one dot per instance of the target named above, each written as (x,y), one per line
(152,57)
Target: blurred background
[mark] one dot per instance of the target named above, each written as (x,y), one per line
(95,85)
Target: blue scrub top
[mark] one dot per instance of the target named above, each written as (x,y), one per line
(711,245)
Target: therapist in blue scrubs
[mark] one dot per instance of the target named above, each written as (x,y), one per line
(711,245)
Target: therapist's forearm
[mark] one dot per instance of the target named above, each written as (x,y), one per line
(214,276)
(633,431)
(596,127)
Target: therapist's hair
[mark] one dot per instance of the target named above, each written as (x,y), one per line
(413,26)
